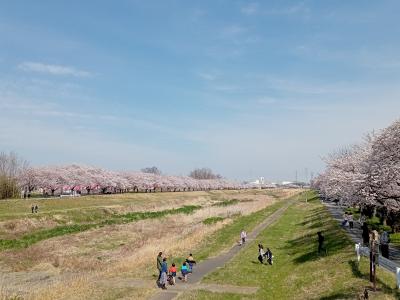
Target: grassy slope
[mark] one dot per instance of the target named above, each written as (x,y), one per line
(19,208)
(229,234)
(298,272)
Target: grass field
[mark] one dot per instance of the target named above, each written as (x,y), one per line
(81,241)
(298,271)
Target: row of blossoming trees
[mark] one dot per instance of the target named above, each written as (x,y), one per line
(366,175)
(88,180)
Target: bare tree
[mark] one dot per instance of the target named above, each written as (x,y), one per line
(11,168)
(204,173)
(151,170)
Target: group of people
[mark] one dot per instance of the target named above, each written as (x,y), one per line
(168,275)
(35,208)
(383,240)
(264,255)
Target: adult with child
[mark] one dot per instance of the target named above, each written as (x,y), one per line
(163,277)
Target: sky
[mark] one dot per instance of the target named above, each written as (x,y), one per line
(246,88)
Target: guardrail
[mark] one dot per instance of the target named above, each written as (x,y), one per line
(389,265)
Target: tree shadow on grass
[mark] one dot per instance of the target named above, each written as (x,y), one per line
(386,289)
(335,241)
(339,295)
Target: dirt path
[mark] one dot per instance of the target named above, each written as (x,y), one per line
(211,264)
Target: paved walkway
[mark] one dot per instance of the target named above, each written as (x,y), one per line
(211,264)
(356,235)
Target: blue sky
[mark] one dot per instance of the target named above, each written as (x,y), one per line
(246,88)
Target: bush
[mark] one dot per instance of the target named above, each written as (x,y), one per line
(395,238)
(212,220)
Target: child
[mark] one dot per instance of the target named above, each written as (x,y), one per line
(190,260)
(172,273)
(184,271)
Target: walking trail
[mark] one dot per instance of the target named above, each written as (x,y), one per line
(211,264)
(356,235)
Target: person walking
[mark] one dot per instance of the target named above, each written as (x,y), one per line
(159,265)
(365,234)
(260,253)
(33,208)
(269,256)
(345,219)
(321,240)
(243,236)
(36,208)
(384,244)
(351,220)
(163,277)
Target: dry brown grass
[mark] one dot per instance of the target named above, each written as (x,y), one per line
(127,249)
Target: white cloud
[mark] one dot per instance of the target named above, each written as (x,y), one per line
(207,76)
(53,69)
(250,9)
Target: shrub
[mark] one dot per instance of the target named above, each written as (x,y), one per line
(212,220)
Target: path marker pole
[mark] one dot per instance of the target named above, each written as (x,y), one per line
(398,277)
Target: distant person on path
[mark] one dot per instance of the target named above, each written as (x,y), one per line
(159,264)
(385,240)
(365,234)
(261,253)
(172,273)
(33,208)
(345,219)
(243,236)
(164,270)
(351,220)
(321,240)
(36,208)
(184,271)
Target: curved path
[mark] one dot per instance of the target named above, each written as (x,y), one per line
(211,264)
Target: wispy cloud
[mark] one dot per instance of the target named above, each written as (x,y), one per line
(58,70)
(210,76)
(250,8)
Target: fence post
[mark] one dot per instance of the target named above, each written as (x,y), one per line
(357,247)
(398,277)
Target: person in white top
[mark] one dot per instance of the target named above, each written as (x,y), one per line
(243,236)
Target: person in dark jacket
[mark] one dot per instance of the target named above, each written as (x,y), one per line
(260,253)
(159,263)
(269,256)
(321,240)
(365,234)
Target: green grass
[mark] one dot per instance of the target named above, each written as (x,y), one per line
(298,271)
(227,202)
(212,220)
(229,234)
(32,238)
